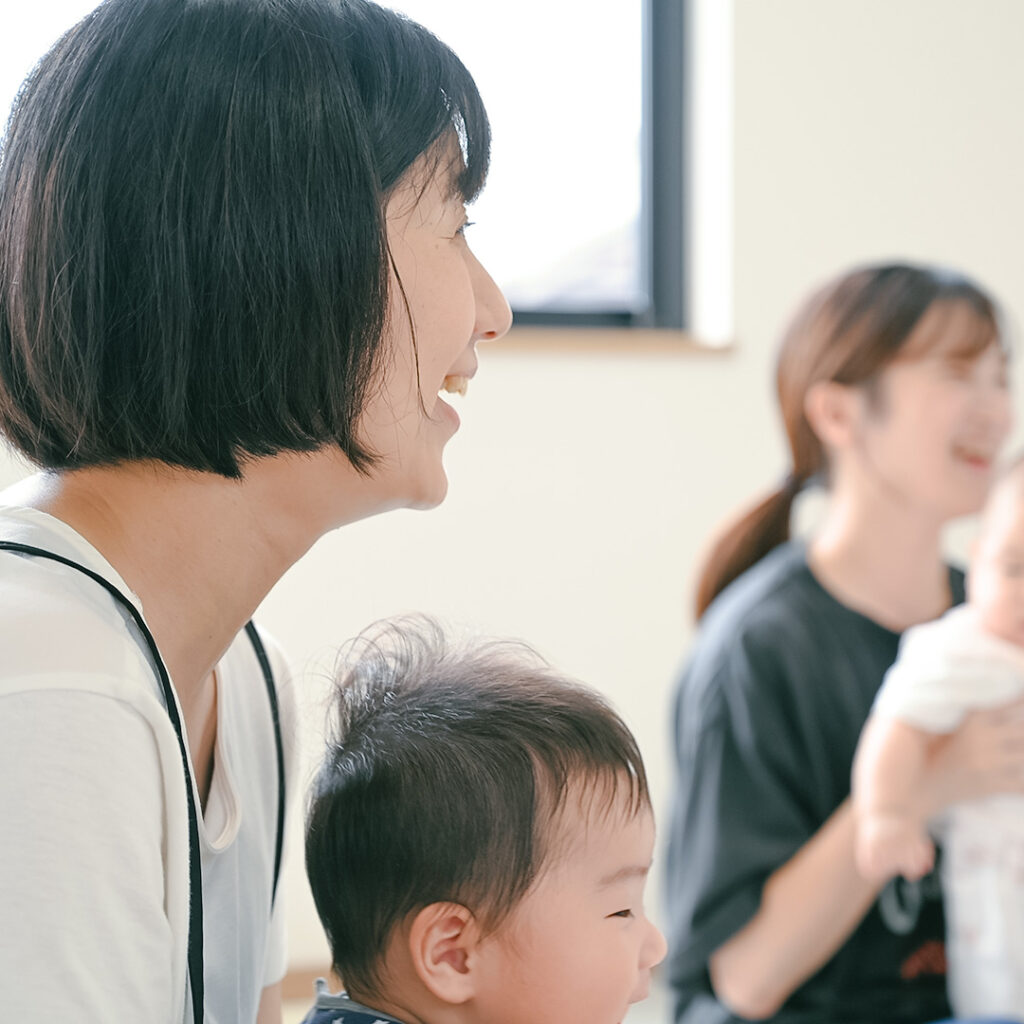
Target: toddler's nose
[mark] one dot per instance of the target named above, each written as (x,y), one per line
(655,947)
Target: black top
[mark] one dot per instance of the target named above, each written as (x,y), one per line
(343,1015)
(338,1008)
(768,712)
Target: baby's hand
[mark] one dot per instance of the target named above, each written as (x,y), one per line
(891,843)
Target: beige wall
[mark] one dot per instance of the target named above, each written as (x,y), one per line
(585,478)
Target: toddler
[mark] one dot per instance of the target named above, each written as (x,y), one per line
(478,841)
(971,658)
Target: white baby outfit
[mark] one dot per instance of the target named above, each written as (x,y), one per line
(946,669)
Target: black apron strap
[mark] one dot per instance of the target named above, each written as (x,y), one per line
(195,915)
(268,679)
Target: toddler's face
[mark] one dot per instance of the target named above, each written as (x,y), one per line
(579,948)
(997,568)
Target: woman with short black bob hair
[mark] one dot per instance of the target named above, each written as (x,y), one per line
(233,280)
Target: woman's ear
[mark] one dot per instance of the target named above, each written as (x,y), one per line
(833,411)
(443,943)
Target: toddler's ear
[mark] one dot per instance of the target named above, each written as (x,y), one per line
(443,943)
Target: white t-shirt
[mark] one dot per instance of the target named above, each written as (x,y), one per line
(94,885)
(948,667)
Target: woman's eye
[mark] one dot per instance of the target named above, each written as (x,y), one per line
(622,913)
(959,369)
(462,229)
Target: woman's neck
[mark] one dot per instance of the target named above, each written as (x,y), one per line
(882,559)
(200,551)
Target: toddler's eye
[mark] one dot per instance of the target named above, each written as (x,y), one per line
(622,913)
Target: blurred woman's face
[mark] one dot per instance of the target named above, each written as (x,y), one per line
(935,422)
(442,302)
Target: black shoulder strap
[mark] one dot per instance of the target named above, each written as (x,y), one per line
(268,679)
(195,916)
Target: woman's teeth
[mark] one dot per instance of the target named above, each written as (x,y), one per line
(455,384)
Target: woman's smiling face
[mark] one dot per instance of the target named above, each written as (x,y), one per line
(940,416)
(442,302)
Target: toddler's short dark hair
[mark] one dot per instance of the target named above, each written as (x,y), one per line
(444,781)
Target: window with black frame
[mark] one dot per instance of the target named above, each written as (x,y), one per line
(582,218)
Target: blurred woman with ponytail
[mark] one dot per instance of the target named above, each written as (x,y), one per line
(892,385)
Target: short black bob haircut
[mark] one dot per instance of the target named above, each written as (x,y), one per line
(444,780)
(193,259)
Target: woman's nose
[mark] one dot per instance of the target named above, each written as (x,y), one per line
(996,407)
(493,315)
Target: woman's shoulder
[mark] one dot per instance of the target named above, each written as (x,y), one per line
(58,627)
(777,577)
(765,604)
(774,633)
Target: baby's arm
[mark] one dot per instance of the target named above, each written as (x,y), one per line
(888,771)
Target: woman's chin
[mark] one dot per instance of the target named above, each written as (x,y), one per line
(430,494)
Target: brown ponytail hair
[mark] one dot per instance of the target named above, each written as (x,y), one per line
(847,332)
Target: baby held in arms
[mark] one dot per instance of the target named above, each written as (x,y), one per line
(969,660)
(478,841)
